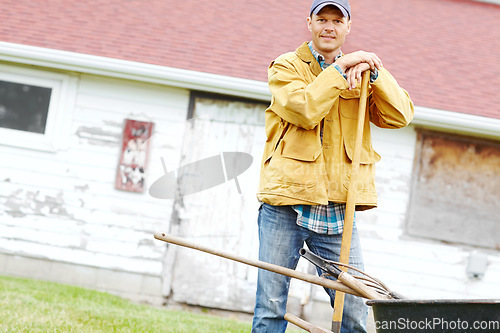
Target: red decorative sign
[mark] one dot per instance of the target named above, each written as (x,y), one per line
(134,156)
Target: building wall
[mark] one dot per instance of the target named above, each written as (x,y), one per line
(61,217)
(416,266)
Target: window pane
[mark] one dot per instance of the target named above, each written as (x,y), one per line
(24,107)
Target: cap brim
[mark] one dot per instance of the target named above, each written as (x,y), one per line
(323,5)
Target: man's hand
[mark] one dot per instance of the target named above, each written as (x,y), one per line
(353,64)
(354,74)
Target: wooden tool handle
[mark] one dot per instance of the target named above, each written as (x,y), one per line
(321,281)
(304,324)
(351,199)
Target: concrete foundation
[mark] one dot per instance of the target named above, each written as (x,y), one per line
(136,287)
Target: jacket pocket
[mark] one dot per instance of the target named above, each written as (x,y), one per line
(367,160)
(273,144)
(349,123)
(292,168)
(368,154)
(296,160)
(349,103)
(300,144)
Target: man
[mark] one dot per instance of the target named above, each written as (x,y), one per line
(310,128)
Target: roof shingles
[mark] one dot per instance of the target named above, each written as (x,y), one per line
(444,52)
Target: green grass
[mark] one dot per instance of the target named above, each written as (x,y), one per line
(39,306)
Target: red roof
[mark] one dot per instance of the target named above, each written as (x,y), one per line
(444,52)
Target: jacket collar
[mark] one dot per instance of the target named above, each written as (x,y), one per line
(304,53)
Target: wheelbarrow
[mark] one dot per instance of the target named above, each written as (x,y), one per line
(443,316)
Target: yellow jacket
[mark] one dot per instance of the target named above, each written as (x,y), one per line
(297,168)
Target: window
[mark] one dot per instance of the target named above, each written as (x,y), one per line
(455,190)
(31,107)
(24,107)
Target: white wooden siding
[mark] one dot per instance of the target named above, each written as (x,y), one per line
(63,206)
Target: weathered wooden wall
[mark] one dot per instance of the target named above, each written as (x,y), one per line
(62,206)
(455,190)
(220,217)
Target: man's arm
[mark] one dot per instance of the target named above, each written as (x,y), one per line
(390,105)
(298,101)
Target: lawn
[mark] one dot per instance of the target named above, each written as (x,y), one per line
(38,306)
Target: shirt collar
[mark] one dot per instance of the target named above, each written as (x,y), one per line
(320,58)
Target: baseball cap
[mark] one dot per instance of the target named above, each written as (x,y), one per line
(343,5)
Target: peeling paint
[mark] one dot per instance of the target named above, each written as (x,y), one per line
(113,123)
(82,188)
(21,203)
(98,136)
(147,242)
(455,197)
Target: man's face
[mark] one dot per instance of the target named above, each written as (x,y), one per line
(328,29)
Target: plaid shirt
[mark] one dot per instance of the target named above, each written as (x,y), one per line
(322,219)
(321,59)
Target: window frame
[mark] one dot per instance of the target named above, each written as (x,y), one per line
(57,128)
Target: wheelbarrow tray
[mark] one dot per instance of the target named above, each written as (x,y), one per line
(442,316)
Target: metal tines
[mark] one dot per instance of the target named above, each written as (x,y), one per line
(367,284)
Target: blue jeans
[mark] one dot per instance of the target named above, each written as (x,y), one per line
(280,240)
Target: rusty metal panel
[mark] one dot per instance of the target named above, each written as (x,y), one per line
(455,192)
